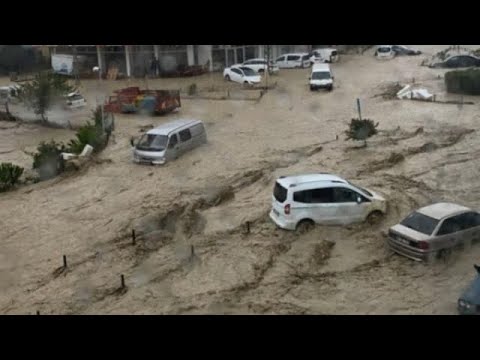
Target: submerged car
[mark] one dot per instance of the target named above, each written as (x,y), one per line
(435,229)
(75,100)
(458,61)
(469,301)
(168,141)
(242,74)
(384,52)
(404,50)
(299,202)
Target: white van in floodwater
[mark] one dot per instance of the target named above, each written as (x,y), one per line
(321,77)
(168,141)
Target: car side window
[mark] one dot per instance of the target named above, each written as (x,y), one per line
(281,58)
(185,135)
(314,196)
(293,58)
(343,195)
(173,141)
(453,61)
(236,71)
(467,61)
(449,226)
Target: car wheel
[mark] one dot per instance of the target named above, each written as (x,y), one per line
(261,71)
(374,217)
(312,88)
(330,88)
(227,77)
(305,226)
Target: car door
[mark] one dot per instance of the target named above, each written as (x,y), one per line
(348,209)
(237,75)
(449,234)
(453,62)
(185,143)
(315,204)
(293,61)
(467,61)
(470,223)
(281,63)
(173,148)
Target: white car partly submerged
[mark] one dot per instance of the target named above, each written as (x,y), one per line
(242,75)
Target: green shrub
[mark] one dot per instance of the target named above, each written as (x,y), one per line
(361,129)
(48,160)
(9,175)
(88,134)
(463,81)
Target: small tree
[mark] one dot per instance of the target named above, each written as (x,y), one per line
(9,175)
(48,160)
(43,91)
(361,130)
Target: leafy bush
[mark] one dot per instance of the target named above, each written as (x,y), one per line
(48,160)
(361,129)
(87,134)
(463,81)
(9,175)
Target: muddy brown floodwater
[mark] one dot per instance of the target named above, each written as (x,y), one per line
(193,254)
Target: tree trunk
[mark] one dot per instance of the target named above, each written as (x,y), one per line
(6,108)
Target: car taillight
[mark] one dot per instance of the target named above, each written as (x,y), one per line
(423,245)
(286,209)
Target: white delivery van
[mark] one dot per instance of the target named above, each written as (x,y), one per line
(296,60)
(321,77)
(168,141)
(327,55)
(299,202)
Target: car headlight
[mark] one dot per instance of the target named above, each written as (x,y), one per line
(464,304)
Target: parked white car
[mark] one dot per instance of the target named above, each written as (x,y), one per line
(290,61)
(385,52)
(260,65)
(327,55)
(242,75)
(75,100)
(299,202)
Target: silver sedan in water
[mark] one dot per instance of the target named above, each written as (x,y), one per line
(435,229)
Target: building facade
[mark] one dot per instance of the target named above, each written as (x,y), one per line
(136,60)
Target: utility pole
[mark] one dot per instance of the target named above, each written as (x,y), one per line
(75,66)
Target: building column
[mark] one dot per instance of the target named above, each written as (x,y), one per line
(101,59)
(128,60)
(156,51)
(190,55)
(261,51)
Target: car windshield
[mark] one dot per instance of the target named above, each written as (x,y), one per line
(421,223)
(248,71)
(384,50)
(365,191)
(320,75)
(152,142)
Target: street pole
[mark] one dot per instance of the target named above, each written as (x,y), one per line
(359,109)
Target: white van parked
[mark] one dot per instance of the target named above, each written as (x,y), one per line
(299,202)
(296,60)
(327,55)
(168,141)
(321,77)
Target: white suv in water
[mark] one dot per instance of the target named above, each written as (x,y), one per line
(301,201)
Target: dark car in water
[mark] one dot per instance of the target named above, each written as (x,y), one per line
(458,61)
(469,302)
(404,50)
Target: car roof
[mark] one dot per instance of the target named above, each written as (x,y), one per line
(321,67)
(256,59)
(300,54)
(297,180)
(167,128)
(441,210)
